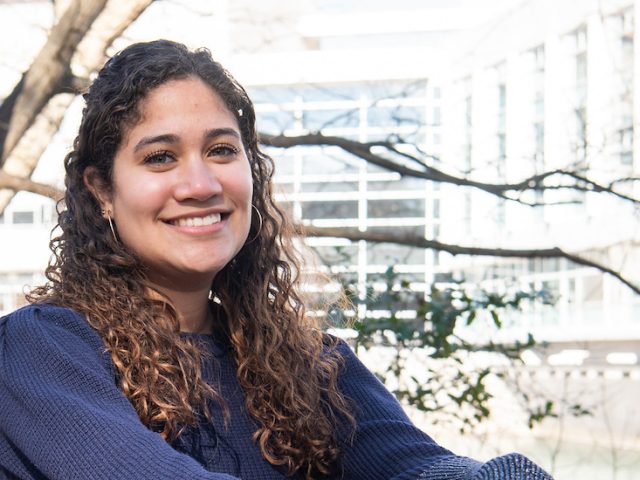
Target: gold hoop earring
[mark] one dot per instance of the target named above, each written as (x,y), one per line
(113,231)
(259,228)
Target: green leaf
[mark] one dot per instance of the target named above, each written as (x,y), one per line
(496,319)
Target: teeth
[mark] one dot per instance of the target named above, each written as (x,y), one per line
(198,221)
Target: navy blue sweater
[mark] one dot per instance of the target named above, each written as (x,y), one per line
(62,416)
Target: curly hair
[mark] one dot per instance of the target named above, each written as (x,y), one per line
(287,367)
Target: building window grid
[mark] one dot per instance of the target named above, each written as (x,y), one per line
(537,62)
(362,203)
(501,89)
(44,214)
(303,114)
(467,146)
(625,25)
(626,32)
(581,89)
(432,190)
(501,134)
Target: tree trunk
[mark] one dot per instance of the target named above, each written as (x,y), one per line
(48,68)
(89,56)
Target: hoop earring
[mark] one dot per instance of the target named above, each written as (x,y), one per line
(113,231)
(259,228)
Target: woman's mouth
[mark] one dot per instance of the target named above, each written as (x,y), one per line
(197,221)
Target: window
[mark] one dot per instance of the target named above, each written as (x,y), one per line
(501,110)
(315,120)
(405,208)
(581,89)
(276,121)
(467,110)
(393,254)
(284,164)
(379,116)
(334,256)
(623,33)
(409,231)
(329,187)
(437,120)
(502,147)
(402,184)
(626,146)
(581,77)
(324,210)
(322,161)
(272,95)
(538,129)
(23,217)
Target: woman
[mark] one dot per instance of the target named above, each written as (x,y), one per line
(170,341)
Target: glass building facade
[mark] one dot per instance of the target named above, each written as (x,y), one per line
(325,186)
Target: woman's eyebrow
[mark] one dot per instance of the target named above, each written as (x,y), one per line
(219,132)
(164,138)
(173,139)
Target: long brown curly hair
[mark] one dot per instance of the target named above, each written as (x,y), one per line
(286,366)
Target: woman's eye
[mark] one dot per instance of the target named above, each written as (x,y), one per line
(158,158)
(223,150)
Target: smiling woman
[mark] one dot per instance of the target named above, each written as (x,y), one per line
(170,341)
(180,192)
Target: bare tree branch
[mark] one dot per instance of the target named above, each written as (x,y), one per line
(70,38)
(48,68)
(6,109)
(417,241)
(16,183)
(89,55)
(574,181)
(71,83)
(623,180)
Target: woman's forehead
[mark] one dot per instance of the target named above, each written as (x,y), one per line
(178,106)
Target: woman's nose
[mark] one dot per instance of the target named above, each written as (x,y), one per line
(198,181)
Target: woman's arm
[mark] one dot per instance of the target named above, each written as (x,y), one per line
(386,445)
(62,415)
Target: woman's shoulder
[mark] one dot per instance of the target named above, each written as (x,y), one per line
(44,314)
(335,345)
(47,322)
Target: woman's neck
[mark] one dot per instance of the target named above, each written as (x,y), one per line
(192,307)
(194,315)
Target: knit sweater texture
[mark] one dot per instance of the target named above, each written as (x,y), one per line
(62,416)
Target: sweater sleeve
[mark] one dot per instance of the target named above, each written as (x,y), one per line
(63,417)
(386,445)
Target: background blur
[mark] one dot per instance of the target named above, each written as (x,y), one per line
(519,119)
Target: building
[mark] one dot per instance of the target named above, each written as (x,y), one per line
(559,93)
(479,99)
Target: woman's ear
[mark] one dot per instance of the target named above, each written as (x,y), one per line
(98,189)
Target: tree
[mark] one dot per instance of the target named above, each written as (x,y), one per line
(448,378)
(33,111)
(17,113)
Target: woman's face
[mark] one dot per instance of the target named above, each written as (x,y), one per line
(182,187)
